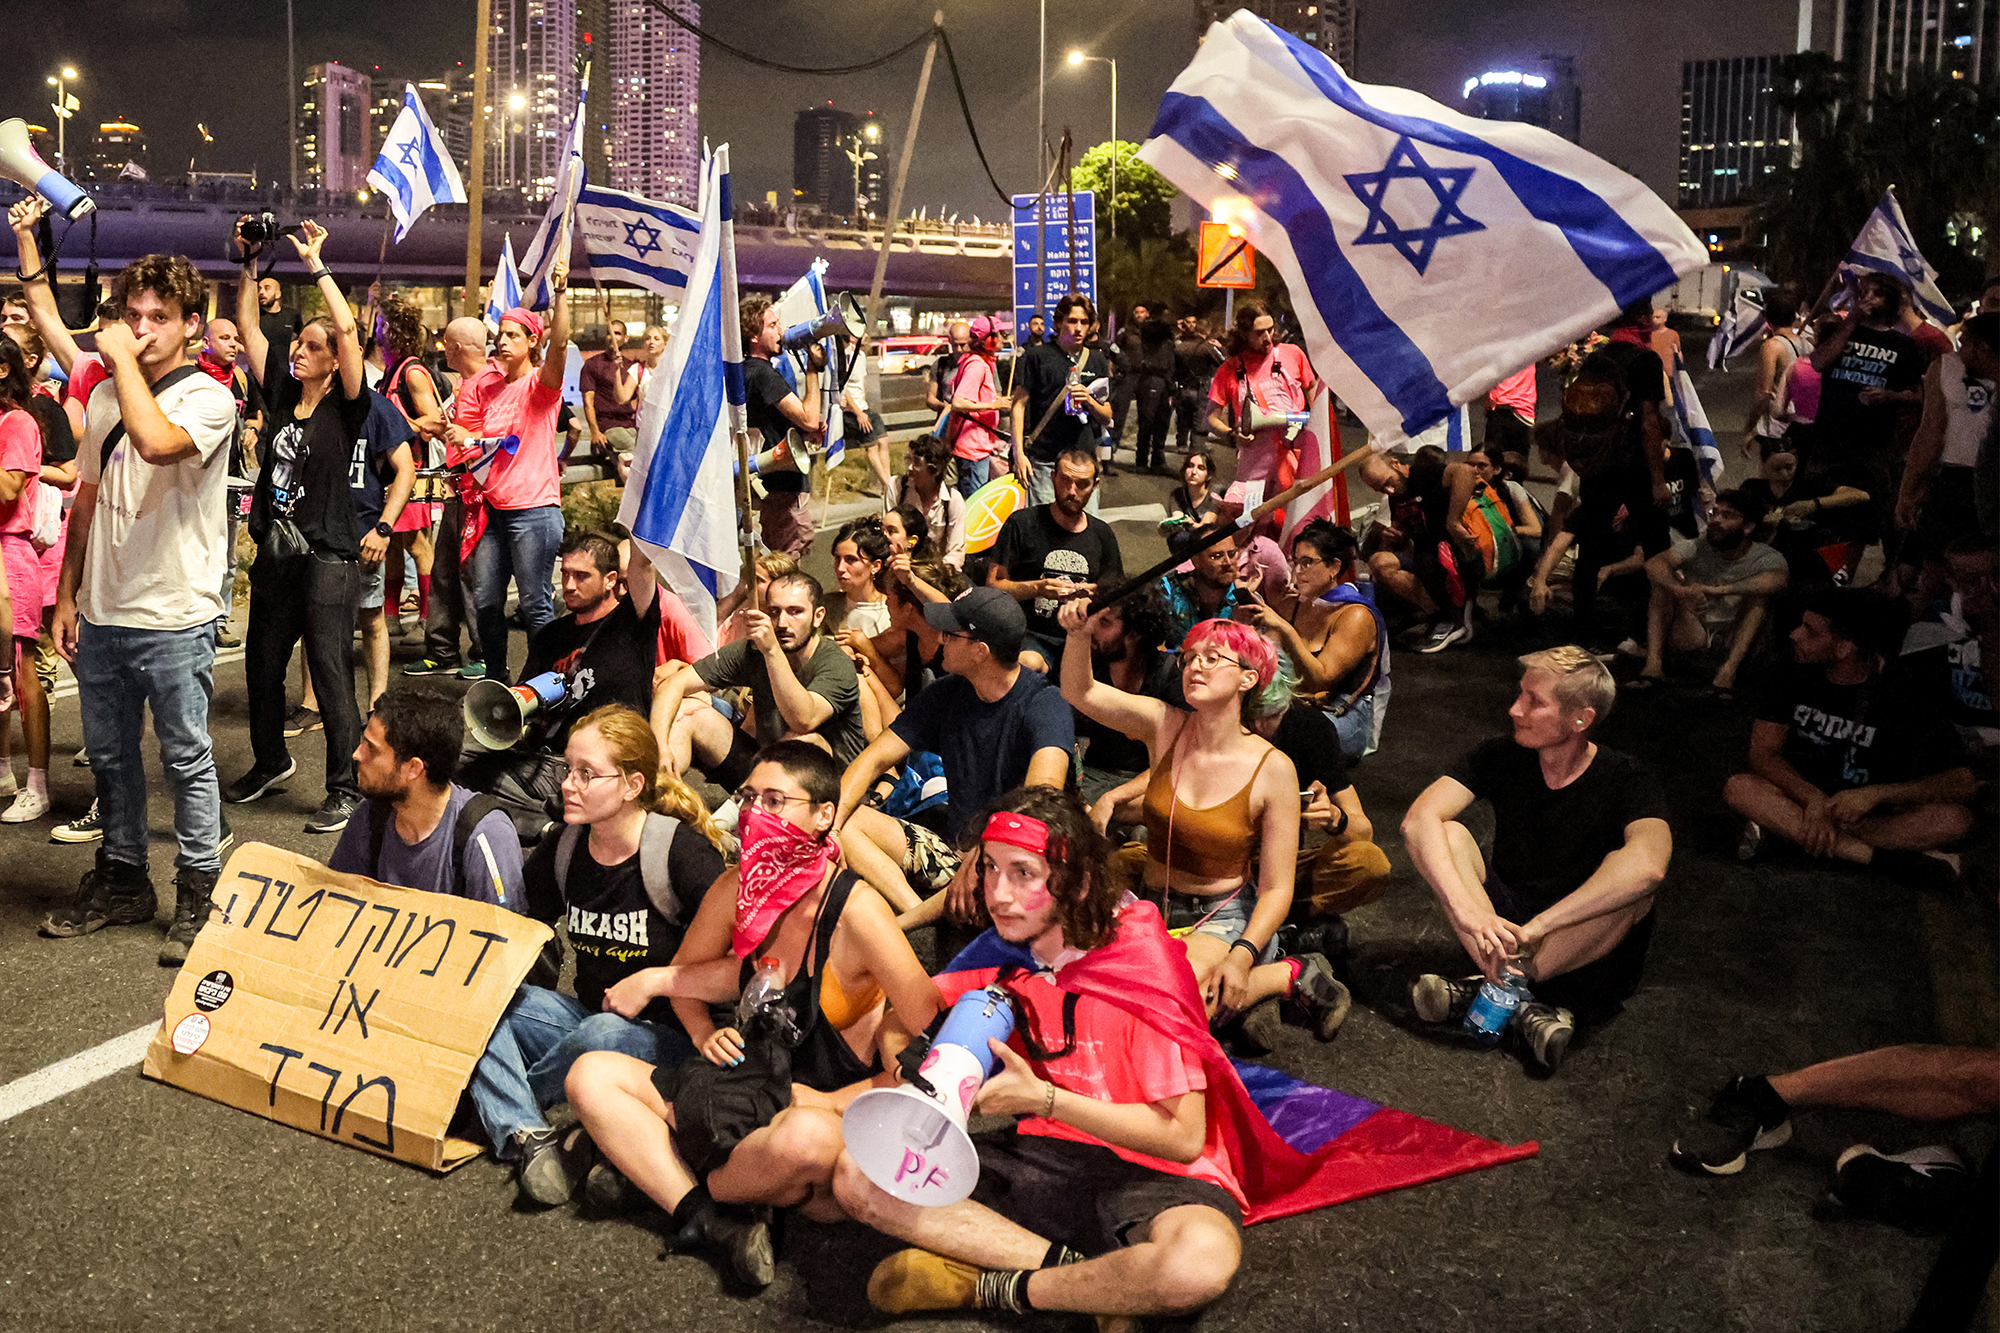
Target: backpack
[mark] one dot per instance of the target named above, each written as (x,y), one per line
(1486,517)
(469,817)
(654,843)
(1597,408)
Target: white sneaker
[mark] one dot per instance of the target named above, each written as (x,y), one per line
(28,806)
(1631,648)
(9,784)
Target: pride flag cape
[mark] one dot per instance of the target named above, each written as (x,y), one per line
(1292,1146)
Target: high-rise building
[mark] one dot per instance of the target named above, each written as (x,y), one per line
(654,144)
(836,154)
(1547,97)
(118,142)
(1889,40)
(1329,25)
(1733,133)
(532,89)
(334,143)
(448,100)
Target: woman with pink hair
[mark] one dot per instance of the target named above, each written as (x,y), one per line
(1221,810)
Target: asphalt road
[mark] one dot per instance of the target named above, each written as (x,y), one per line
(129,1204)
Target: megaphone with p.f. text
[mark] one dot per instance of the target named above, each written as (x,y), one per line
(911,1139)
(496,714)
(20,162)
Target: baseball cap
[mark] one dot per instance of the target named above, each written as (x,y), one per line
(984,327)
(985,614)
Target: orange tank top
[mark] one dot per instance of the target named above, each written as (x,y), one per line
(1215,842)
(841,1010)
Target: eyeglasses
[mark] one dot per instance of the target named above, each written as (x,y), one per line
(770,800)
(583,777)
(1209,660)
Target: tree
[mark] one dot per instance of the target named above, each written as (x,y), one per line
(1145,202)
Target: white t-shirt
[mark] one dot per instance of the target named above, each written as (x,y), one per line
(159,536)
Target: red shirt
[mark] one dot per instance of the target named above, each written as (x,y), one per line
(20,451)
(1517,391)
(1278,383)
(88,372)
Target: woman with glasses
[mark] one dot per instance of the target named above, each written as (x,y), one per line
(1328,623)
(1221,809)
(633,863)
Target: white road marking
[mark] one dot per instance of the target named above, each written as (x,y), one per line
(1151,513)
(79,1071)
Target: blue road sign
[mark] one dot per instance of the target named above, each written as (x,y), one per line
(1058,278)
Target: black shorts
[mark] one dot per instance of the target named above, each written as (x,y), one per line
(734,770)
(1951,511)
(1081,1194)
(1596,991)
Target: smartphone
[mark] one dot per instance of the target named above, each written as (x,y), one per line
(1305,798)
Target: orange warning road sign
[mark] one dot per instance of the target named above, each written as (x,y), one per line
(1226,259)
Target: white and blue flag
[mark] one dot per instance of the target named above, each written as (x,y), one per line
(1691,426)
(1886,246)
(415,169)
(680,501)
(803,303)
(631,238)
(1741,328)
(1428,254)
(504,293)
(551,239)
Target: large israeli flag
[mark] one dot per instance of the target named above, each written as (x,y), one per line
(551,239)
(680,502)
(631,238)
(1886,246)
(504,292)
(1740,329)
(414,168)
(1429,255)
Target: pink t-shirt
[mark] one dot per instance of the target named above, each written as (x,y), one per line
(525,407)
(85,375)
(1278,384)
(20,451)
(1516,391)
(972,433)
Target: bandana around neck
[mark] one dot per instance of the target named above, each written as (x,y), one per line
(781,864)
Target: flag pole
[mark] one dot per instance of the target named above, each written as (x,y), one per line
(732,398)
(902,174)
(475,189)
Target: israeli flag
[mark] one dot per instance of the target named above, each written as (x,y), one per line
(415,169)
(504,293)
(1740,330)
(1429,255)
(1691,426)
(551,239)
(803,302)
(680,503)
(631,238)
(1886,246)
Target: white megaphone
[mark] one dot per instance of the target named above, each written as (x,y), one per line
(1290,422)
(911,1139)
(19,162)
(496,715)
(835,323)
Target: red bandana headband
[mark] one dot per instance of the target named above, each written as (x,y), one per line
(1023,831)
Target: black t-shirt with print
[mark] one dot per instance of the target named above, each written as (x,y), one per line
(1033,545)
(1044,369)
(307,463)
(1873,358)
(764,387)
(608,661)
(1890,728)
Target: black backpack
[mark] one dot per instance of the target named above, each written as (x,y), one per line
(1597,408)
(474,810)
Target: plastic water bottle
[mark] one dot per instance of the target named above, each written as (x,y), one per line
(1493,1008)
(766,989)
(1075,379)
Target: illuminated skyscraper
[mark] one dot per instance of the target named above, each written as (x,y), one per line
(654,143)
(1328,24)
(334,144)
(1733,133)
(532,93)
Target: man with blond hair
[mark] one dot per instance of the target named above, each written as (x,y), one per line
(1580,845)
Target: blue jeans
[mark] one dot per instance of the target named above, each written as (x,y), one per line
(972,474)
(519,544)
(118,672)
(534,1044)
(1356,729)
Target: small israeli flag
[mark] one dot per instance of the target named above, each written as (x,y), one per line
(1429,255)
(415,169)
(803,302)
(1741,329)
(551,239)
(505,292)
(1886,246)
(631,238)
(1691,426)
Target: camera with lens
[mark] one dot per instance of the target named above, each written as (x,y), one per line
(254,231)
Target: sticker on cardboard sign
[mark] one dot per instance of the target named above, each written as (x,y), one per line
(213,991)
(190,1033)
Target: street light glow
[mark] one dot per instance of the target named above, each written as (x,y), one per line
(1076,57)
(68,73)
(517,101)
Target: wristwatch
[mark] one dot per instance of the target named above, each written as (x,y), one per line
(382,529)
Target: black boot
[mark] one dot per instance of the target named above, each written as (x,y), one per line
(111,893)
(192,889)
(743,1234)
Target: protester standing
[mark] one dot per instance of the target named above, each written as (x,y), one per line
(1053,407)
(461,517)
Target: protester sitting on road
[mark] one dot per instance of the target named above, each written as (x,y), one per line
(729,626)
(860,556)
(802,687)
(941,507)
(1336,636)
(996,726)
(1056,550)
(1207,591)
(1580,846)
(1128,651)
(1523,515)
(719,1141)
(1192,501)
(1792,514)
(603,647)
(910,544)
(626,876)
(1116,1152)
(1427,559)
(903,658)
(1221,809)
(1712,588)
(1849,761)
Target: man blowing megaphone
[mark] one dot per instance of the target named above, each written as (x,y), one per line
(774,410)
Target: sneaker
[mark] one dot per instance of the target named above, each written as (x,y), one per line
(1750,841)
(110,893)
(430,666)
(1921,1191)
(227,640)
(87,827)
(472,671)
(553,1164)
(919,1280)
(1545,1031)
(1471,612)
(222,844)
(258,782)
(1442,999)
(1443,635)
(1321,995)
(1745,1117)
(1260,1027)
(608,1192)
(192,889)
(9,784)
(301,720)
(1326,935)
(81,759)
(333,813)
(29,805)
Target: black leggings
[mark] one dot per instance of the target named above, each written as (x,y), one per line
(314,598)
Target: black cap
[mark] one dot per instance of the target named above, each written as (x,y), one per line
(987,615)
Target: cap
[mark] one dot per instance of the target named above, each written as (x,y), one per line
(984,327)
(985,614)
(527,319)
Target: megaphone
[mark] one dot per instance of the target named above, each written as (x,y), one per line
(19,162)
(496,715)
(911,1139)
(1291,422)
(836,322)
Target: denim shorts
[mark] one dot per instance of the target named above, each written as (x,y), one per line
(1225,916)
(373,578)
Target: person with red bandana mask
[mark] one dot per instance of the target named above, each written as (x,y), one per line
(755,1123)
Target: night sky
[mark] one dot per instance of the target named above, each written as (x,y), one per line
(171,63)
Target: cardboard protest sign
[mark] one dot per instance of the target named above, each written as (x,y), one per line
(341,1006)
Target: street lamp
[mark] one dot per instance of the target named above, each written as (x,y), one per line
(871,133)
(1079,58)
(64,106)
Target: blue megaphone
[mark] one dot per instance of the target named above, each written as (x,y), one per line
(19,162)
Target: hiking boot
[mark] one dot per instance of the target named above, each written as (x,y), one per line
(1260,1027)
(1325,935)
(608,1192)
(430,666)
(551,1165)
(1746,1116)
(742,1234)
(110,893)
(1544,1031)
(919,1280)
(258,782)
(192,889)
(86,827)
(301,720)
(1321,995)
(334,812)
(1442,999)
(1921,1191)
